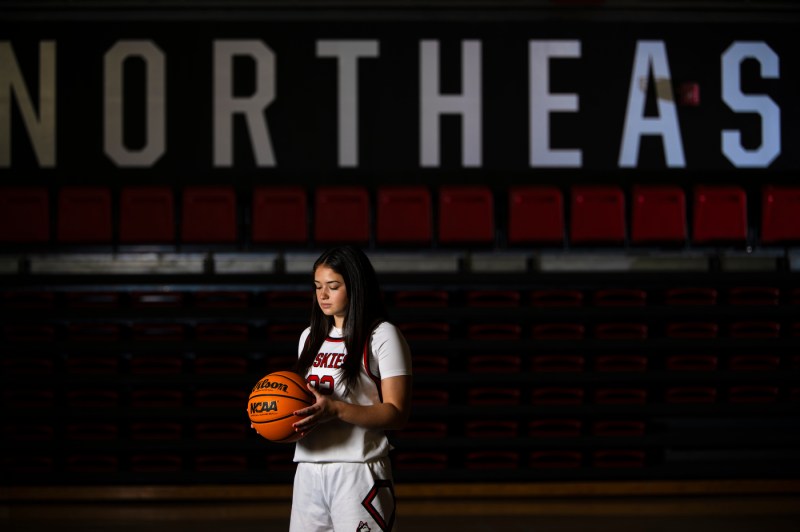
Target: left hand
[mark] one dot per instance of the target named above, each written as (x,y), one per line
(323,409)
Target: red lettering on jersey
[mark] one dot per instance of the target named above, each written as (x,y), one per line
(329,360)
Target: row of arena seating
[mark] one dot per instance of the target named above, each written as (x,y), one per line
(516,378)
(388,216)
(763,295)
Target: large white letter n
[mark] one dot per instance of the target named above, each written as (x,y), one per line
(41,129)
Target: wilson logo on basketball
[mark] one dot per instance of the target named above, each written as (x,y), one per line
(263,407)
(265,384)
(272,404)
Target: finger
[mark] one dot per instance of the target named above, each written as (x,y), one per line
(303,430)
(304,412)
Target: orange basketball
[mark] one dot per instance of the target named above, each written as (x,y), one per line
(272,402)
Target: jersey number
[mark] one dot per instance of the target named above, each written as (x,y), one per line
(324,385)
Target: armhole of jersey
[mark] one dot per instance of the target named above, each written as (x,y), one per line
(365,360)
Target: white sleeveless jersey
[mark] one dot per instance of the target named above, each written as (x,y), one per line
(337,441)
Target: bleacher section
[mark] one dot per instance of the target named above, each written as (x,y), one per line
(558,333)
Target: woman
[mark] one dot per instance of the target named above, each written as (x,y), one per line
(358,366)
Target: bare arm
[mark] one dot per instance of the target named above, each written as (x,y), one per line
(391,414)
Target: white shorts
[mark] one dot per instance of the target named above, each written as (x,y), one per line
(343,497)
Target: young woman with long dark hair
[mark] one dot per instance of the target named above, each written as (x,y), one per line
(358,366)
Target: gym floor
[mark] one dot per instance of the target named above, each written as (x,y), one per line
(729,506)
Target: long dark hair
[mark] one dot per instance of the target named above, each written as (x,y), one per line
(365,310)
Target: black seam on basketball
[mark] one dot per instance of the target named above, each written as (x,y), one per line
(301,385)
(273,420)
(284,396)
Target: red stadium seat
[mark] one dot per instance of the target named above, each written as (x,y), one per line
(755,329)
(156,398)
(754,295)
(421,298)
(156,463)
(28,299)
(491,428)
(224,463)
(423,429)
(425,330)
(422,397)
(555,428)
(219,397)
(559,331)
(404,216)
(24,215)
(659,215)
(556,459)
(209,215)
(618,427)
(690,295)
(492,460)
(220,431)
(692,363)
(619,458)
(760,362)
(557,396)
(692,329)
(280,215)
(621,363)
(691,394)
(431,364)
(146,215)
(156,430)
(753,394)
(94,332)
(92,463)
(422,461)
(221,299)
(620,297)
(493,298)
(90,299)
(493,396)
(84,215)
(222,332)
(497,363)
(720,214)
(341,214)
(158,332)
(466,215)
(561,363)
(597,215)
(29,432)
(92,431)
(620,396)
(780,214)
(557,298)
(621,331)
(535,215)
(494,331)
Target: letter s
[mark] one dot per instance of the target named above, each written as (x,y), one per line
(768,110)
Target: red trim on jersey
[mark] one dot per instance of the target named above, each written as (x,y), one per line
(332,339)
(375,378)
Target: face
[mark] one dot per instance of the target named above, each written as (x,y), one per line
(331,294)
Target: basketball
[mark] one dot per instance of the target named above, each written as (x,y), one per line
(272,402)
